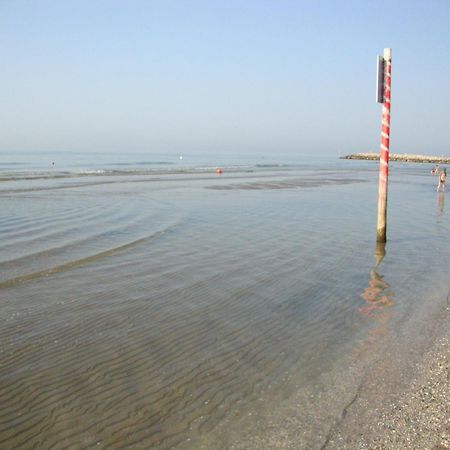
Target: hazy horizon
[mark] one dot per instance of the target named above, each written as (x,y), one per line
(197,76)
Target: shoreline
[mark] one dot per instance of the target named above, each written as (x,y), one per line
(411,413)
(421,416)
(402,157)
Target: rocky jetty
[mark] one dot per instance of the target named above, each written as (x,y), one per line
(401,157)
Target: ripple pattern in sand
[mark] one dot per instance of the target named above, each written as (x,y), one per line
(140,319)
(153,345)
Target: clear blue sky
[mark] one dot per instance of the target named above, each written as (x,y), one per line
(222,76)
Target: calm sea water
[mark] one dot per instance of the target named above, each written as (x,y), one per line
(147,302)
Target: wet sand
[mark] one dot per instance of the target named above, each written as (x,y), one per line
(409,411)
(415,417)
(421,418)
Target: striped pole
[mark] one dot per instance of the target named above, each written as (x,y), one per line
(384,149)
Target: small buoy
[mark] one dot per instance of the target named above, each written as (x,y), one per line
(218,171)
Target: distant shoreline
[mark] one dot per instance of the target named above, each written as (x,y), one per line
(400,157)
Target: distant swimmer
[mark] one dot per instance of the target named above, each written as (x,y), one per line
(442,178)
(442,173)
(219,171)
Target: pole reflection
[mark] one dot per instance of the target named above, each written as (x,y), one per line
(376,294)
(378,299)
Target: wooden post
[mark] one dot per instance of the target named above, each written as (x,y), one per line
(384,149)
(380,252)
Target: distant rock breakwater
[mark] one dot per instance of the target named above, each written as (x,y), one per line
(400,157)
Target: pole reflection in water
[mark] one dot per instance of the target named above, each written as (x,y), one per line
(376,294)
(378,299)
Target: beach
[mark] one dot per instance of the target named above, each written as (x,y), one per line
(154,303)
(419,416)
(416,414)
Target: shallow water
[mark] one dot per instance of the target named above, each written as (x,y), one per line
(168,308)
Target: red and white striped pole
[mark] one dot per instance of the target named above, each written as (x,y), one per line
(384,148)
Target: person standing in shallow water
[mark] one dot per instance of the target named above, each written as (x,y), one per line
(442,177)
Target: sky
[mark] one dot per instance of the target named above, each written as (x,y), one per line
(269,77)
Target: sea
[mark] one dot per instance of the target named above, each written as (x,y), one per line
(195,301)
